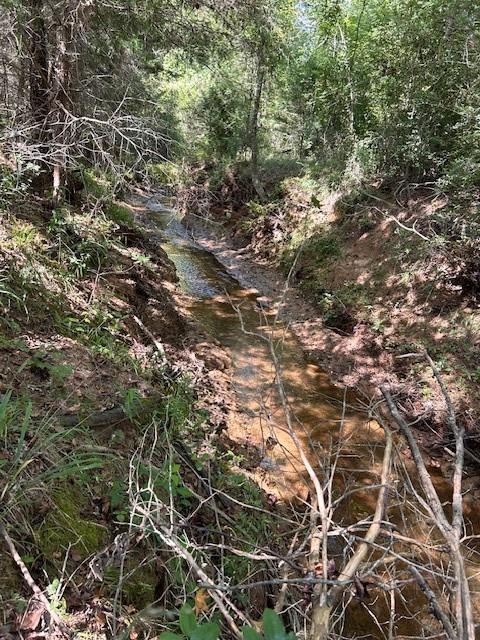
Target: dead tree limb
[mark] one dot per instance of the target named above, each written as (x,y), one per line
(433,602)
(465,628)
(321,614)
(27,576)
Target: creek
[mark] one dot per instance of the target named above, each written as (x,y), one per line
(333,426)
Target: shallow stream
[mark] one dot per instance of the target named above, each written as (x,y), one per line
(330,424)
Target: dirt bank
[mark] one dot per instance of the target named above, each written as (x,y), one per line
(97,350)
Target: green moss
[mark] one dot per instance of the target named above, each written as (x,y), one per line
(66,525)
(119,213)
(97,185)
(10,578)
(139,589)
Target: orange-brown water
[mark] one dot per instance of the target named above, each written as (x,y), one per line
(331,425)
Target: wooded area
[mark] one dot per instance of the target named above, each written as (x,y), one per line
(240,331)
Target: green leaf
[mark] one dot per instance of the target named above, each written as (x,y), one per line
(188,623)
(168,635)
(250,634)
(207,631)
(273,628)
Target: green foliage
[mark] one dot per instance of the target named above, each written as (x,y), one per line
(359,90)
(223,109)
(322,247)
(27,439)
(49,366)
(273,628)
(98,184)
(58,604)
(191,629)
(82,241)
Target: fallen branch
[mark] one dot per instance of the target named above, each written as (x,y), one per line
(451,532)
(27,576)
(158,345)
(109,417)
(321,614)
(433,602)
(171,540)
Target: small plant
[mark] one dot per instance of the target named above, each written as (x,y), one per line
(475,375)
(378,325)
(57,602)
(142,260)
(426,392)
(40,364)
(25,236)
(366,223)
(273,628)
(191,629)
(119,501)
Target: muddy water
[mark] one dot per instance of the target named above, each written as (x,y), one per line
(320,413)
(237,318)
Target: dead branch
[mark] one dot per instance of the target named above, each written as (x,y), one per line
(433,602)
(27,576)
(158,345)
(321,614)
(463,609)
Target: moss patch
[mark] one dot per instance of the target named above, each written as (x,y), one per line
(139,588)
(66,525)
(10,580)
(119,213)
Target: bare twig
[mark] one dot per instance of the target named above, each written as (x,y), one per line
(27,576)
(451,533)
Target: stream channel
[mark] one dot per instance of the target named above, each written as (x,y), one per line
(330,424)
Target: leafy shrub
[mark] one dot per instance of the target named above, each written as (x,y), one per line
(322,246)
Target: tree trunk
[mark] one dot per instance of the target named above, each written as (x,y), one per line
(38,66)
(62,81)
(39,86)
(253,127)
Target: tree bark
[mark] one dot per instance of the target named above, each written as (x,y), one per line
(253,126)
(39,86)
(38,65)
